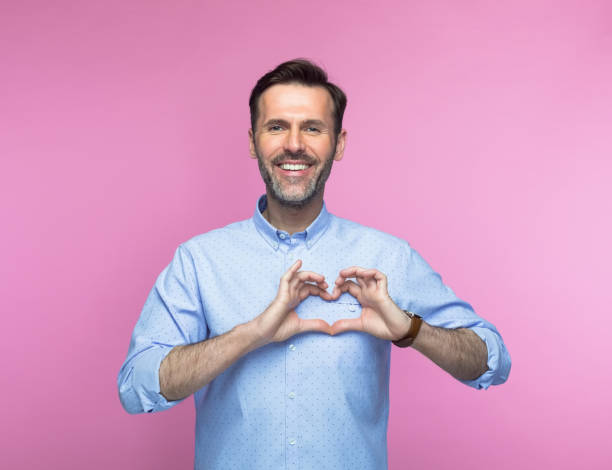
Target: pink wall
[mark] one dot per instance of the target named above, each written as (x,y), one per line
(478,131)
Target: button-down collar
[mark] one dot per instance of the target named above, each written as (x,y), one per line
(273,236)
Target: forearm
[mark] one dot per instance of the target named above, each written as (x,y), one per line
(460,352)
(188,368)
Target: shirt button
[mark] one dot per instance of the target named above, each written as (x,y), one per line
(352,308)
(292,347)
(292,395)
(282,235)
(292,441)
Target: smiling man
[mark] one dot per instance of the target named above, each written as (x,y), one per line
(296,144)
(287,371)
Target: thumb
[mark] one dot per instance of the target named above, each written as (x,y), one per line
(314,325)
(346,324)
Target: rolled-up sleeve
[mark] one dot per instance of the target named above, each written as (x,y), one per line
(425,294)
(172,315)
(498,360)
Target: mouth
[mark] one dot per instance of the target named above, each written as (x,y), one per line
(294,168)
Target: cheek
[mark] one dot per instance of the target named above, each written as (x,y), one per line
(323,149)
(323,142)
(268,147)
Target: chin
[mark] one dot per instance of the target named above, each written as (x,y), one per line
(296,201)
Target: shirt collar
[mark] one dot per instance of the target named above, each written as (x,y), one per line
(272,235)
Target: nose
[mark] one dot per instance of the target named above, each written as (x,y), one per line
(294,142)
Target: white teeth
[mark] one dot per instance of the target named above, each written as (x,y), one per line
(289,166)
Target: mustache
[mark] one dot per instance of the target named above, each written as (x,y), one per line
(287,156)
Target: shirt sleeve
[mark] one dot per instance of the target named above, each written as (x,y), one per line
(172,315)
(437,304)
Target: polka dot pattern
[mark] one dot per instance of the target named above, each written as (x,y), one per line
(313,401)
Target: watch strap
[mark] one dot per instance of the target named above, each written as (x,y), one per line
(415,326)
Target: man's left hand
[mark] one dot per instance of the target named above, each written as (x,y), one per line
(380,316)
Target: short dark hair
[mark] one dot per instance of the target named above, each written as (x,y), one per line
(306,73)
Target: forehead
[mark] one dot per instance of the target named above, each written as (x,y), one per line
(295,101)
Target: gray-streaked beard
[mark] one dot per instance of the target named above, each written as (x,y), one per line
(314,187)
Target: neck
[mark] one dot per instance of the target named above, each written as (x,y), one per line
(292,219)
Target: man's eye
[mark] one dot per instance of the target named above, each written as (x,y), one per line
(312,129)
(274,128)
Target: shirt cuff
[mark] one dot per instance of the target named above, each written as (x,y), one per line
(143,394)
(498,360)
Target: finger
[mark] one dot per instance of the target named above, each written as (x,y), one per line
(367,275)
(375,274)
(314,325)
(311,289)
(307,277)
(336,293)
(351,288)
(326,295)
(310,276)
(295,286)
(346,324)
(350,272)
(370,272)
(341,280)
(292,270)
(381,279)
(370,282)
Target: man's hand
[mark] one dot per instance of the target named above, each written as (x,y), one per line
(380,316)
(460,352)
(280,321)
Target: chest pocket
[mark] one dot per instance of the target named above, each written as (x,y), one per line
(345,306)
(350,351)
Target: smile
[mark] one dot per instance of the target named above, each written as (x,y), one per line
(290,166)
(294,168)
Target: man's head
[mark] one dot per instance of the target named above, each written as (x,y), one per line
(302,72)
(296,120)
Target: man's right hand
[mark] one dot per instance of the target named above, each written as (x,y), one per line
(280,321)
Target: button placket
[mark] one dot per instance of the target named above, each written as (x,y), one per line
(291,409)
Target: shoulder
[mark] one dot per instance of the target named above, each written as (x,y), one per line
(220,238)
(352,231)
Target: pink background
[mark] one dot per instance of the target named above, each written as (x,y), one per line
(479,132)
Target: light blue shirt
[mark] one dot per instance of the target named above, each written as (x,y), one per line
(314,401)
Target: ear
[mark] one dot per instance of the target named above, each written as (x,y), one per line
(252,144)
(340,143)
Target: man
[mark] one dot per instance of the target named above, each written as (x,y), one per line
(288,371)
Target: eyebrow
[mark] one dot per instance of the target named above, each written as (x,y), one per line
(314,122)
(306,123)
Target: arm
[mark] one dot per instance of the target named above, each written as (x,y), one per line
(460,352)
(187,368)
(172,330)
(465,353)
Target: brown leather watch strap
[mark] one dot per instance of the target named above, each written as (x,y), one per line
(415,326)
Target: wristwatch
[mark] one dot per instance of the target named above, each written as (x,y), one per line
(415,326)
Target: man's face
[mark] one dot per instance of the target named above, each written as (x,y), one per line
(294,142)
